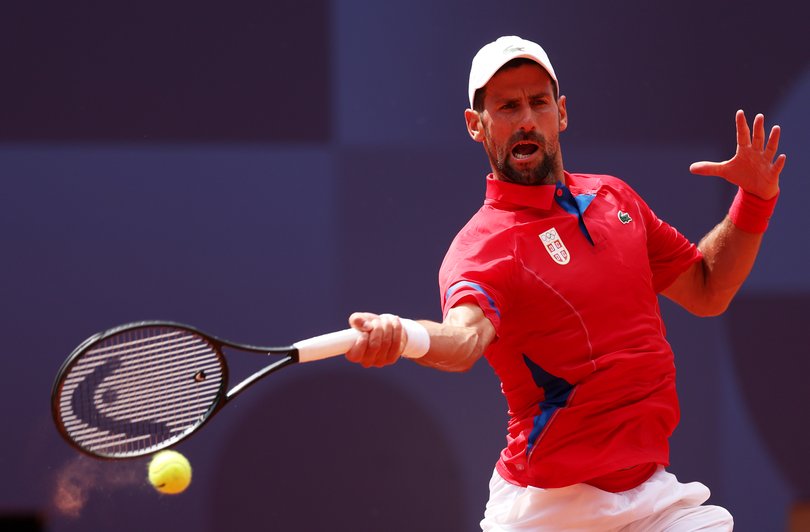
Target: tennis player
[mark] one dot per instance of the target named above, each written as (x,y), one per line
(555,281)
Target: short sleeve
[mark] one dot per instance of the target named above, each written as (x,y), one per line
(670,252)
(477,268)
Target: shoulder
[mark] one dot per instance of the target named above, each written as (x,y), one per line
(487,225)
(486,240)
(608,187)
(597,181)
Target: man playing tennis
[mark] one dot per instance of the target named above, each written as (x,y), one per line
(555,280)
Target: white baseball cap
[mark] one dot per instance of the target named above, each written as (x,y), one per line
(494,55)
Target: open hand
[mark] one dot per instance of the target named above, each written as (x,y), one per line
(753,167)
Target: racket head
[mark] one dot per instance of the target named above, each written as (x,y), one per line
(138,388)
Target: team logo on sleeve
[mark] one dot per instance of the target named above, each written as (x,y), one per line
(555,247)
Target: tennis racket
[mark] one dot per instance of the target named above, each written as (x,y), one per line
(142,387)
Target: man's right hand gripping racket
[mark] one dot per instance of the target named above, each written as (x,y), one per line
(141,387)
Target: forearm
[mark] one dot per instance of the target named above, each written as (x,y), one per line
(452,347)
(729,251)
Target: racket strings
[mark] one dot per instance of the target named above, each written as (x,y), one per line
(138,389)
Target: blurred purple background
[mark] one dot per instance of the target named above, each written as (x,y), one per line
(261,169)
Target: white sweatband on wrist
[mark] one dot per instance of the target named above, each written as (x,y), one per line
(418,339)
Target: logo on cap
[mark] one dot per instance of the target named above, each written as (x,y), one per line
(512,48)
(555,247)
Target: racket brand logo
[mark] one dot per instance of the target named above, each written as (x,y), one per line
(555,247)
(101,400)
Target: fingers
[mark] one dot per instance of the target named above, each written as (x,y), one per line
(773,143)
(758,140)
(753,167)
(361,320)
(743,133)
(770,148)
(381,341)
(779,164)
(706,168)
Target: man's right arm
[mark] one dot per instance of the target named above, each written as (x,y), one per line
(460,340)
(455,344)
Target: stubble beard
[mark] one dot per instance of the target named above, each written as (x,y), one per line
(543,173)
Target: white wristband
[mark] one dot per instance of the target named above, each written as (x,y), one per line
(418,339)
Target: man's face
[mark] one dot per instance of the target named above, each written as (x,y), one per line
(520,126)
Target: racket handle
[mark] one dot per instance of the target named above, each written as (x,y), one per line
(326,345)
(337,343)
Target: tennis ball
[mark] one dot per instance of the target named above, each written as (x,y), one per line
(169,472)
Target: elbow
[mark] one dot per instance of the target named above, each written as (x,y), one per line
(712,299)
(456,363)
(710,307)
(464,366)
(707,312)
(457,366)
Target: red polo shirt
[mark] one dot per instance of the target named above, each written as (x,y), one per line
(568,275)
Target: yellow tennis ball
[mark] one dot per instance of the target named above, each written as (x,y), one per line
(169,472)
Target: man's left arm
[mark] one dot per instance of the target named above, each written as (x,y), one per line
(729,250)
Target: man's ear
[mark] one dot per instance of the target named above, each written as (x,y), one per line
(563,112)
(474,125)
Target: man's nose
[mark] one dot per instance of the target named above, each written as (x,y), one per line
(526,120)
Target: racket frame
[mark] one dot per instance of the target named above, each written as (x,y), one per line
(289,356)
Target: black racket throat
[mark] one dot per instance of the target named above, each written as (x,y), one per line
(242,386)
(138,388)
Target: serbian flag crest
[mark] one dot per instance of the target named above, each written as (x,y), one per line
(555,247)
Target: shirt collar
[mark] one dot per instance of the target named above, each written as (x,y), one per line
(540,196)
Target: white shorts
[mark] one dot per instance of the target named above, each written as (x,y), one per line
(661,503)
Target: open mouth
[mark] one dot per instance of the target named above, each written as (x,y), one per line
(524,150)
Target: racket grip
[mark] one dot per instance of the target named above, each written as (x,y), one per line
(326,345)
(337,343)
